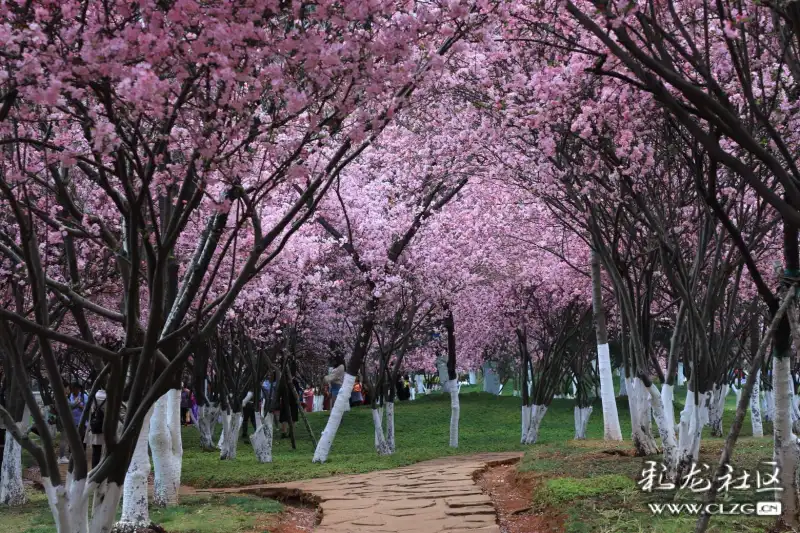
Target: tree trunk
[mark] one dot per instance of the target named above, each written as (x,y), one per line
(716,408)
(623,382)
(668,404)
(581,421)
(12,490)
(785,451)
(339,407)
(69,504)
(755,407)
(666,429)
(381,445)
(611,427)
(455,412)
(768,407)
(641,432)
(452,383)
(231,424)
(390,426)
(261,439)
(693,418)
(208,415)
(167,448)
(135,513)
(537,413)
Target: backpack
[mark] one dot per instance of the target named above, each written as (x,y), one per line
(96,420)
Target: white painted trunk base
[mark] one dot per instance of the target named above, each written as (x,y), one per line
(785,450)
(755,407)
(166,448)
(261,438)
(768,406)
(455,412)
(611,427)
(668,404)
(318,403)
(390,426)
(716,407)
(208,415)
(135,512)
(641,432)
(231,424)
(380,441)
(526,421)
(12,490)
(339,407)
(666,428)
(693,418)
(623,382)
(534,420)
(69,504)
(581,421)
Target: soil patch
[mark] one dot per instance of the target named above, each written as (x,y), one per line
(511,493)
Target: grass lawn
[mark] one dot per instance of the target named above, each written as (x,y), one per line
(196,514)
(592,491)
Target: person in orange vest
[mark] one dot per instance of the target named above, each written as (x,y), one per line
(356,398)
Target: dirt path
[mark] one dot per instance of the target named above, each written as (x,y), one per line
(429,497)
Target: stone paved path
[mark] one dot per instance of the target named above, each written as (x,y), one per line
(429,497)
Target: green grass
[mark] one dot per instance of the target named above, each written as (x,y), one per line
(205,513)
(487,423)
(598,489)
(215,513)
(592,485)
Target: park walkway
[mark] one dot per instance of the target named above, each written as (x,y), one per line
(429,497)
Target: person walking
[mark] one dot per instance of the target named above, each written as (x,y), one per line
(77,403)
(335,378)
(356,398)
(186,404)
(94,436)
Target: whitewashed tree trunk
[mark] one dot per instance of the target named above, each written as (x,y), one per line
(390,426)
(166,448)
(716,408)
(581,421)
(623,382)
(413,391)
(135,514)
(261,439)
(680,376)
(12,489)
(526,422)
(455,412)
(318,402)
(666,428)
(380,441)
(737,391)
(641,432)
(755,407)
(69,504)
(329,433)
(208,415)
(693,418)
(785,451)
(768,406)
(231,424)
(537,413)
(668,404)
(611,427)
